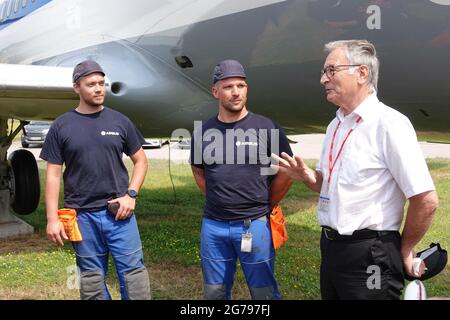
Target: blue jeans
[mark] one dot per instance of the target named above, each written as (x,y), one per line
(102,235)
(221,246)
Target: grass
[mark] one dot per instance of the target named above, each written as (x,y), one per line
(32,267)
(433,136)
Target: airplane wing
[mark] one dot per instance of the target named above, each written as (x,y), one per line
(24,81)
(31,91)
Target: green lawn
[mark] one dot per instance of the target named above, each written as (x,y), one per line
(32,268)
(434,137)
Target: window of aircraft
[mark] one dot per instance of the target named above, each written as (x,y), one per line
(24,3)
(3,10)
(16,6)
(10,8)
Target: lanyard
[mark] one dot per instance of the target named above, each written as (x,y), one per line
(330,156)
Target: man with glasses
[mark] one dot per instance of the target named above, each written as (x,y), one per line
(370,164)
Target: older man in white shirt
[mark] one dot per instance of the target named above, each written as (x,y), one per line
(370,164)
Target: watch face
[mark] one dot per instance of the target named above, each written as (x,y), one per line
(132,193)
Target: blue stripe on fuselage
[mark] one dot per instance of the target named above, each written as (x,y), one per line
(6,20)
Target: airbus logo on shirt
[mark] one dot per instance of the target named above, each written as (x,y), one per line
(245,143)
(109,133)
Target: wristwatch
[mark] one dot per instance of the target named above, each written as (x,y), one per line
(132,193)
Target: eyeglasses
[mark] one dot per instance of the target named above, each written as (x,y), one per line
(331,70)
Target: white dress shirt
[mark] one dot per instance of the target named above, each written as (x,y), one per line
(380,166)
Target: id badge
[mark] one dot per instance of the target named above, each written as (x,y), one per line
(324,203)
(324,199)
(246,242)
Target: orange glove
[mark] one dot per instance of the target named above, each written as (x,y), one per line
(68,217)
(278,227)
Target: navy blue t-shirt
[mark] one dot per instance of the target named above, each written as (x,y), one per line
(235,158)
(91,146)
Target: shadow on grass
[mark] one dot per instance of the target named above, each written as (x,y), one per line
(34,243)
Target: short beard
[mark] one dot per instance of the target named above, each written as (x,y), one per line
(94,104)
(233,108)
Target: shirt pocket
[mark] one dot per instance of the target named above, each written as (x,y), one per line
(352,171)
(360,167)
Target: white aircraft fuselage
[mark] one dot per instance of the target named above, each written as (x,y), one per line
(280,43)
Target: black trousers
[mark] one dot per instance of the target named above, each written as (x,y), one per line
(361,269)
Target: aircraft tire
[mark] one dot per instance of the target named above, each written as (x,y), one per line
(26,180)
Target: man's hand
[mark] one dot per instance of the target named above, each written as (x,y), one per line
(126,209)
(295,168)
(408,261)
(56,233)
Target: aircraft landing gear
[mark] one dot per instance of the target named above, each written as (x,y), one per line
(19,185)
(26,187)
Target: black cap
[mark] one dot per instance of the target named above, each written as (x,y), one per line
(228,69)
(86,68)
(435,259)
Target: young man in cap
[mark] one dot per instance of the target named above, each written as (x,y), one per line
(90,141)
(230,158)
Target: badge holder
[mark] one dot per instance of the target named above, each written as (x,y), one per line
(324,198)
(247,237)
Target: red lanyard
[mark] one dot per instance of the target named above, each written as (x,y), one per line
(330,156)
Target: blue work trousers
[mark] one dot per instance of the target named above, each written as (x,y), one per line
(102,235)
(221,247)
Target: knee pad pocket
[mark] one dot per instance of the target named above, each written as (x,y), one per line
(91,285)
(214,291)
(137,284)
(266,293)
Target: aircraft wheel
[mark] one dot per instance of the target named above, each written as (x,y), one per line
(27,187)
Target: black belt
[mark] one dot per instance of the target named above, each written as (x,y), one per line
(332,234)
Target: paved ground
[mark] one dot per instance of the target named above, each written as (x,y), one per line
(308,146)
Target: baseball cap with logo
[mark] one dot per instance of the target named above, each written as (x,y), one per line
(228,69)
(435,259)
(85,68)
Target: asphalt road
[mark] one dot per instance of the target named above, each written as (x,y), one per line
(308,146)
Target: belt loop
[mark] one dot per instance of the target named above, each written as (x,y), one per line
(325,233)
(247,223)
